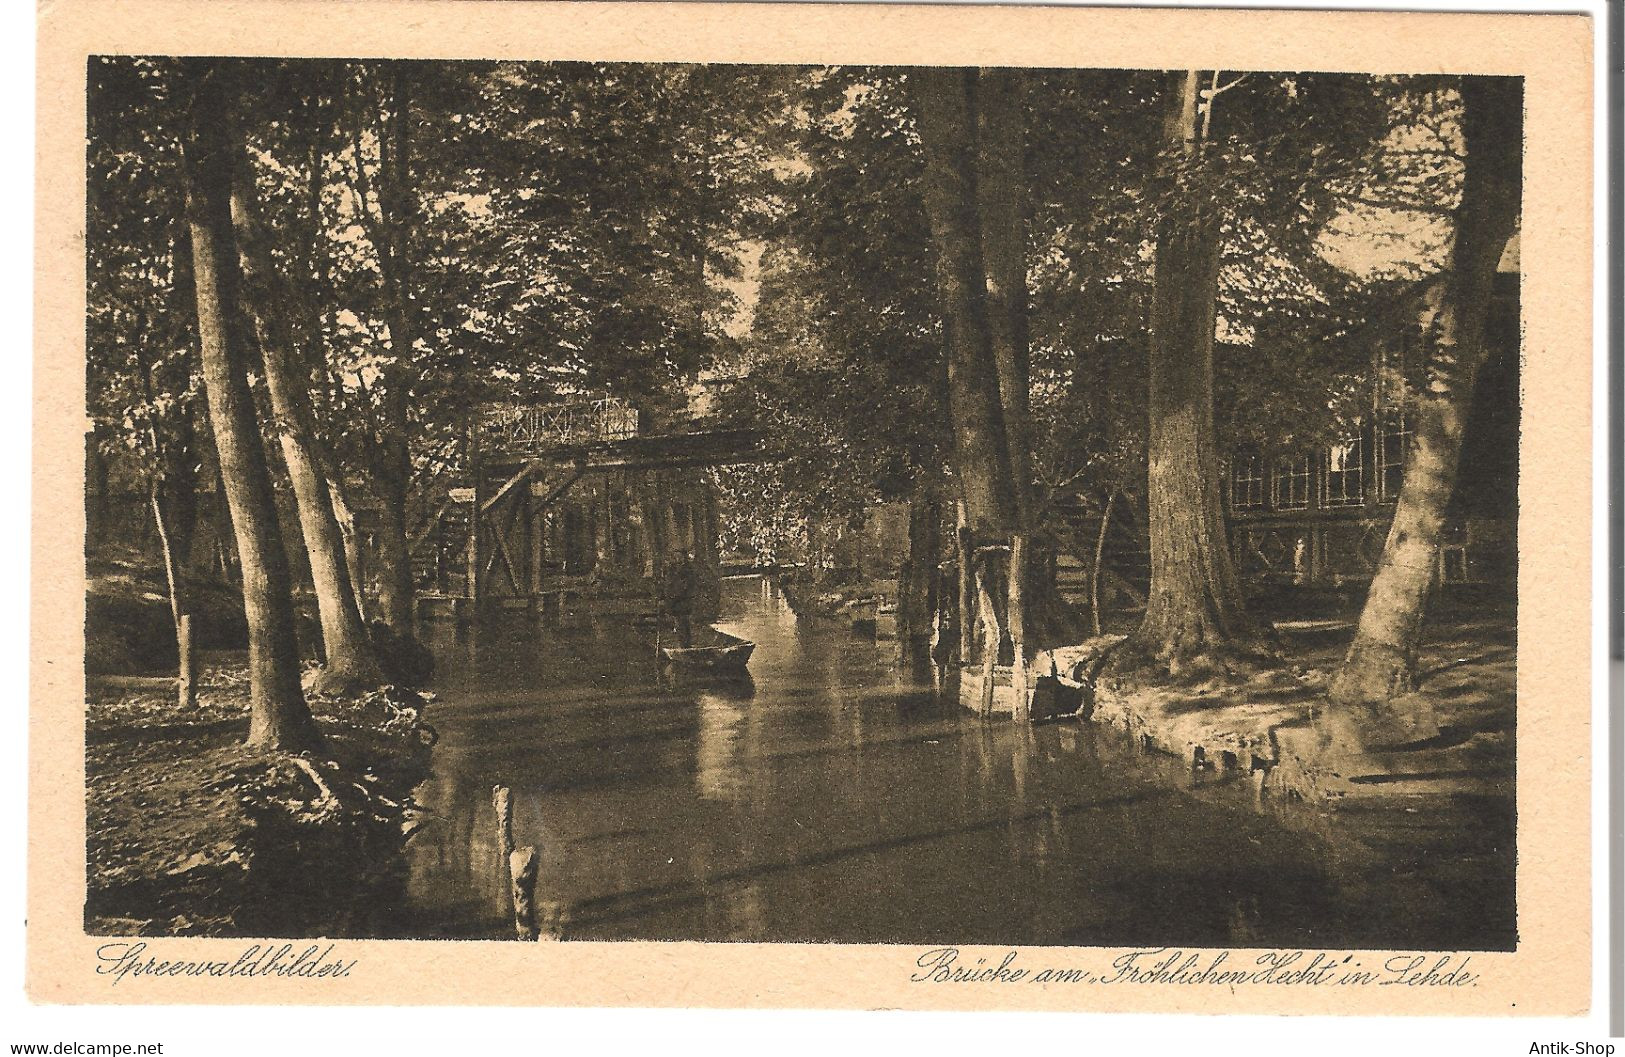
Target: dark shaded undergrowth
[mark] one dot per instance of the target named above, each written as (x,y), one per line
(189,832)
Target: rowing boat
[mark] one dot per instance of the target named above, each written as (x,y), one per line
(722,653)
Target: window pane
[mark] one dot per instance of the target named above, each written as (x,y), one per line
(1393,449)
(1292,483)
(1246,483)
(1343,474)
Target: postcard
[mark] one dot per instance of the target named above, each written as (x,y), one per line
(837,506)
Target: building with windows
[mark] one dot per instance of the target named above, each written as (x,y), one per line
(1320,516)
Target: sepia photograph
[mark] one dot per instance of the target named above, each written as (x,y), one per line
(819,506)
(570,501)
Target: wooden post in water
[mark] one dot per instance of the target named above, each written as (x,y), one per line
(992,634)
(1015,617)
(962,535)
(502,800)
(471,554)
(522,869)
(186,684)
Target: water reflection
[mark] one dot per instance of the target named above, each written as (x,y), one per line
(820,801)
(718,749)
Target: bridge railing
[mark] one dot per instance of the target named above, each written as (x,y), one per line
(532,429)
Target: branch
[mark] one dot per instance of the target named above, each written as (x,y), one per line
(1218,89)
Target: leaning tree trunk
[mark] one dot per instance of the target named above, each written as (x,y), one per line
(166,546)
(1100,556)
(355,561)
(1194,620)
(1381,664)
(350,662)
(338,489)
(278,715)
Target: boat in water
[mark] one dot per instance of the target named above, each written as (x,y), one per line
(713,652)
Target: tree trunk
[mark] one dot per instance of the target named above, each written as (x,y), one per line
(350,662)
(180,487)
(355,562)
(916,588)
(177,607)
(1001,201)
(1194,620)
(225,537)
(1381,663)
(393,474)
(945,104)
(1100,555)
(278,715)
(1001,208)
(338,489)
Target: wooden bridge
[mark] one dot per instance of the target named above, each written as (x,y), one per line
(569,498)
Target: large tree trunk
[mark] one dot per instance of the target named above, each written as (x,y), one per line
(278,715)
(972,130)
(1194,620)
(350,662)
(1001,207)
(1381,663)
(945,105)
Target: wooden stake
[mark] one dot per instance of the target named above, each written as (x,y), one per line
(966,588)
(522,868)
(1015,617)
(992,634)
(502,800)
(186,684)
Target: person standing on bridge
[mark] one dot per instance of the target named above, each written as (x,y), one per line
(678,590)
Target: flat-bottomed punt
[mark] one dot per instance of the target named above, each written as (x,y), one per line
(721,653)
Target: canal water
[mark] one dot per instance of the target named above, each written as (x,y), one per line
(822,801)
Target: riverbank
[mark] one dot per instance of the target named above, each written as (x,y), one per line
(1276,726)
(831,599)
(190,832)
